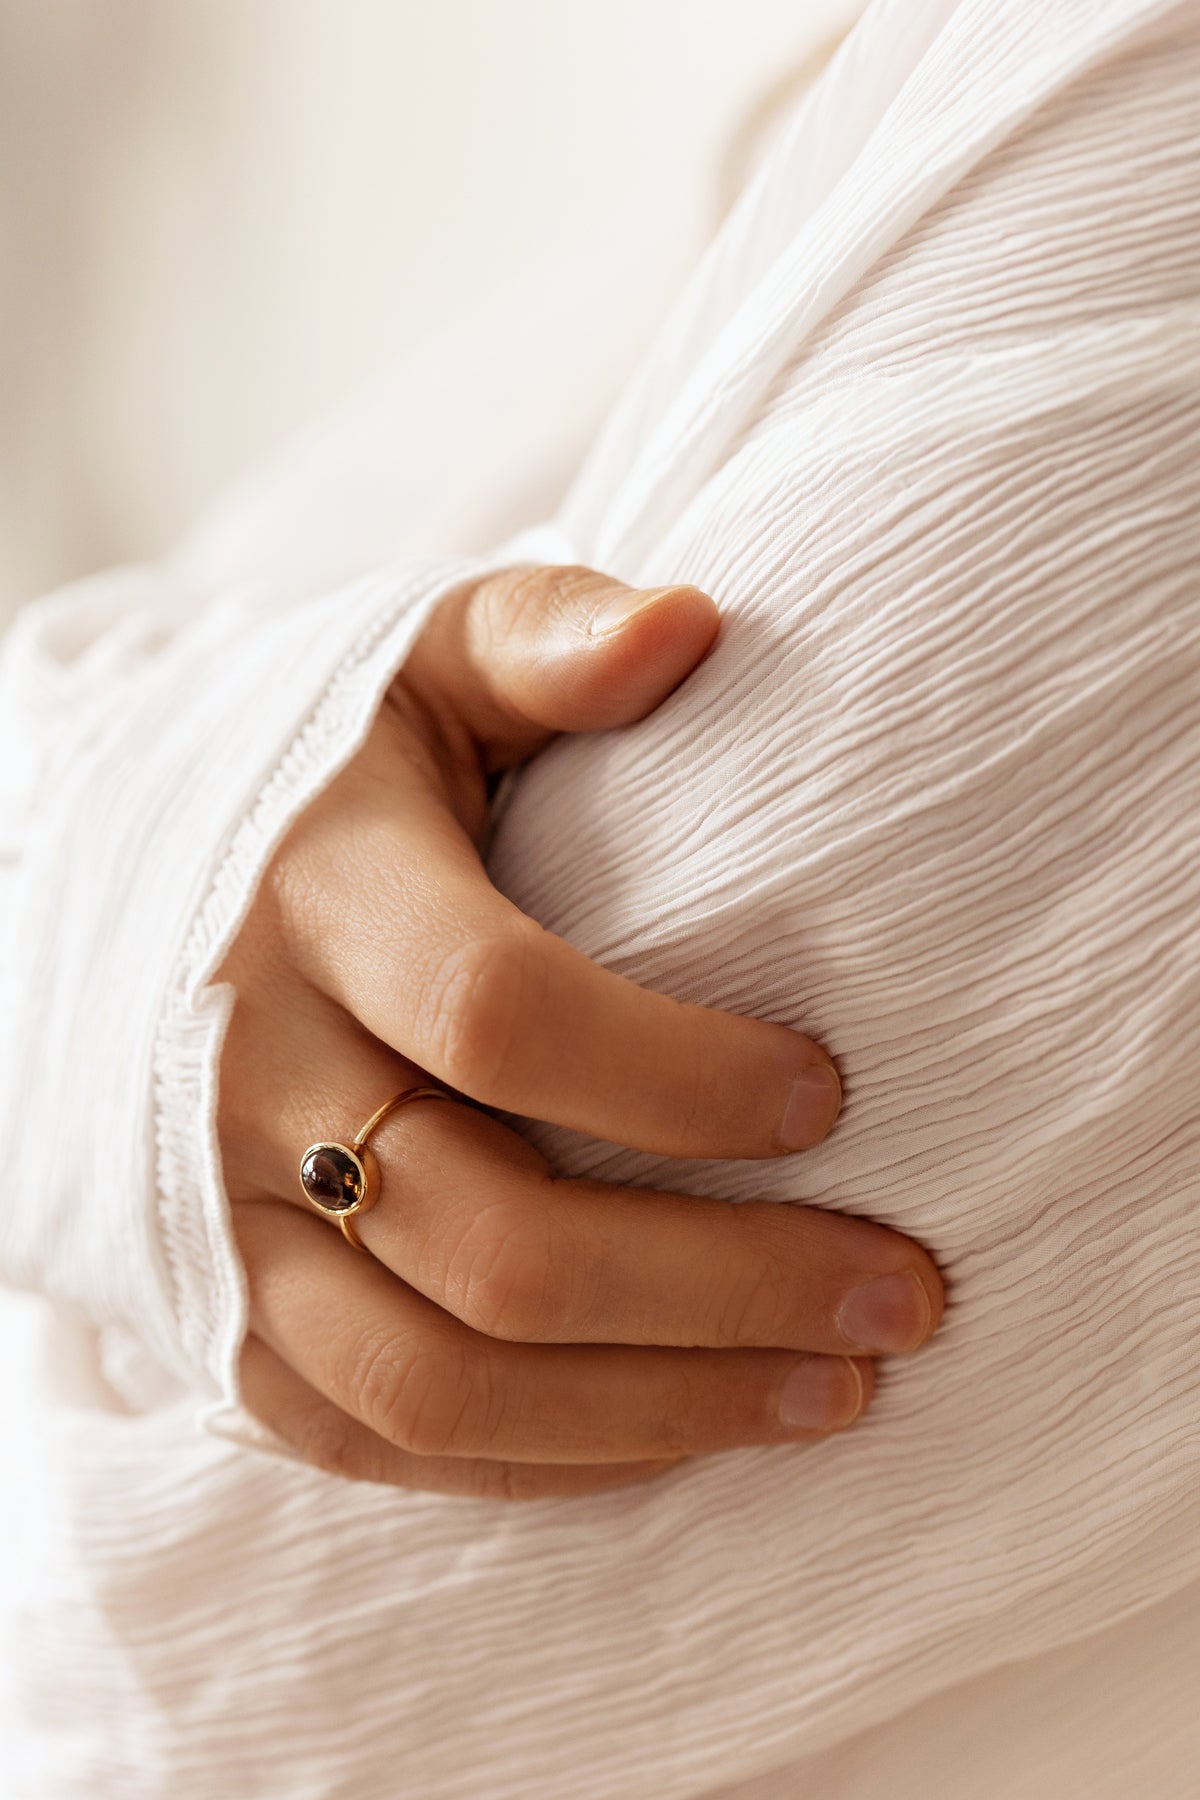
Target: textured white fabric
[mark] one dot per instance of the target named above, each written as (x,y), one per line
(1105,1717)
(926,423)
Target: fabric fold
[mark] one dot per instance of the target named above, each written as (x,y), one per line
(928,427)
(916,97)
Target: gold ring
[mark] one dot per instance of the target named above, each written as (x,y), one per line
(343,1179)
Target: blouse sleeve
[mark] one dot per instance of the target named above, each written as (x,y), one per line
(156,742)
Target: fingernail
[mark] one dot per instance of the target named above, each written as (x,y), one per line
(815,1102)
(890,1313)
(821,1394)
(617,613)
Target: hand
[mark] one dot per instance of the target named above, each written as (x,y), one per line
(509,1333)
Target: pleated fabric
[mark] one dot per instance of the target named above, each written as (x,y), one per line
(927,424)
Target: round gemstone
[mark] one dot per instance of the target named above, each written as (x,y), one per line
(332,1177)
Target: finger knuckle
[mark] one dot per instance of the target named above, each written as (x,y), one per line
(754,1305)
(780,1275)
(519,600)
(477,1003)
(417,1397)
(676,1428)
(330,1441)
(509,600)
(743,1313)
(501,1278)
(519,1481)
(689,1405)
(696,1105)
(292,896)
(533,1481)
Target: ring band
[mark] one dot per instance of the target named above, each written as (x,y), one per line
(343,1179)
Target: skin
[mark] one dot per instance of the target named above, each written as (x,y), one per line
(512,1334)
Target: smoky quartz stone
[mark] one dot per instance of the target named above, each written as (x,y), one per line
(333,1178)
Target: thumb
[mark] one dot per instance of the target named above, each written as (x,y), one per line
(529,652)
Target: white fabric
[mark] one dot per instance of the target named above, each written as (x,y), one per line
(926,423)
(1105,1717)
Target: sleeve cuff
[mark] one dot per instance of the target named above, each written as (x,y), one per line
(163,758)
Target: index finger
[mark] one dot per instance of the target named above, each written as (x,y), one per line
(438,965)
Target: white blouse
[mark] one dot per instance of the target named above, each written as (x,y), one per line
(927,424)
